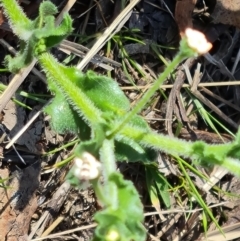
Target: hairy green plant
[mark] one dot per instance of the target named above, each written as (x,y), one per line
(95,108)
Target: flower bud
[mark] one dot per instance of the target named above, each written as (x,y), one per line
(87,167)
(197,41)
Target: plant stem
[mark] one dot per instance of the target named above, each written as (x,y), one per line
(172,145)
(164,143)
(107,158)
(141,103)
(233,165)
(101,195)
(78,100)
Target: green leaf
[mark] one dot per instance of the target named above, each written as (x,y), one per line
(73,95)
(108,97)
(47,8)
(22,59)
(131,151)
(205,222)
(37,36)
(210,154)
(157,185)
(63,118)
(52,34)
(123,223)
(105,93)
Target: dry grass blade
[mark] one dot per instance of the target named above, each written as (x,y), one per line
(55,204)
(112,29)
(66,232)
(213,84)
(66,9)
(175,94)
(16,81)
(171,211)
(53,226)
(231,232)
(207,91)
(214,108)
(81,51)
(17,136)
(9,139)
(216,176)
(194,85)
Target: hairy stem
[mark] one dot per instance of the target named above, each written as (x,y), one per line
(233,165)
(157,141)
(79,101)
(176,146)
(100,193)
(107,158)
(146,97)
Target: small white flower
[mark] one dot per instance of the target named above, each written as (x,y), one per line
(87,167)
(197,41)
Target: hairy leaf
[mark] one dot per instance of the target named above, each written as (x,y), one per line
(37,36)
(125,221)
(20,24)
(63,118)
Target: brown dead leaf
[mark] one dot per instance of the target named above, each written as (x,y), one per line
(183,14)
(227,12)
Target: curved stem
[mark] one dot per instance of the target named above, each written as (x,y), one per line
(142,102)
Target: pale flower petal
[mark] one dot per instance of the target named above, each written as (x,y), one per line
(87,167)
(197,41)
